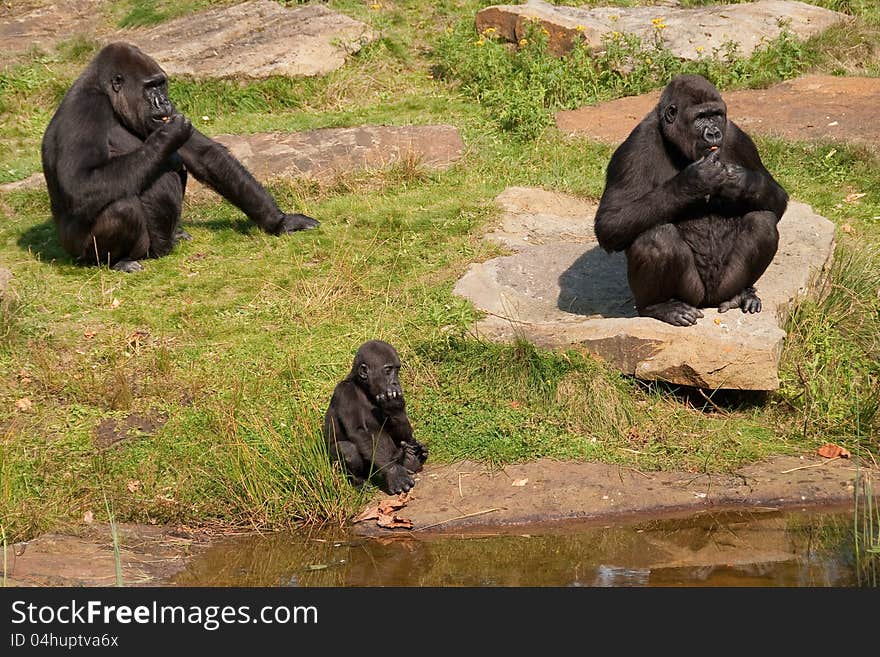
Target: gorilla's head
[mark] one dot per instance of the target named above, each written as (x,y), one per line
(375,369)
(136,86)
(693,117)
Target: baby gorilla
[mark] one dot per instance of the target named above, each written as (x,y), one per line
(366,426)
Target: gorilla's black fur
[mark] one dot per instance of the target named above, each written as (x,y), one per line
(116,156)
(366,425)
(688,199)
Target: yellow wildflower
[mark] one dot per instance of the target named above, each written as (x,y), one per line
(375,6)
(523,42)
(489,31)
(545,31)
(649,61)
(700,48)
(479,42)
(580,28)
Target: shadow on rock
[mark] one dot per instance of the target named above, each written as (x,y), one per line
(596,285)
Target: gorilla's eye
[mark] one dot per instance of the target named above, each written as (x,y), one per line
(389,369)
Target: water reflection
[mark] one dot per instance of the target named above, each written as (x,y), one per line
(739,549)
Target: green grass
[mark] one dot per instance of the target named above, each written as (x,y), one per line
(237,337)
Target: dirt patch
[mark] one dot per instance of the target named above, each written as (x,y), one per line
(111,431)
(814,107)
(470,496)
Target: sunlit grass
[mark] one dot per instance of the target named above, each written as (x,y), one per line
(238,338)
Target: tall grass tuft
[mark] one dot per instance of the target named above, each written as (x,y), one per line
(831,361)
(114,534)
(275,472)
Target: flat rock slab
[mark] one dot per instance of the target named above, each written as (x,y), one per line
(470,496)
(148,555)
(326,152)
(254,39)
(43,24)
(322,154)
(814,107)
(688,33)
(561,290)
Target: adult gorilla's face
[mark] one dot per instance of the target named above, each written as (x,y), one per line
(693,117)
(137,87)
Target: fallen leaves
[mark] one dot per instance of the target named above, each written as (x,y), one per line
(519,482)
(24,404)
(384,513)
(832,451)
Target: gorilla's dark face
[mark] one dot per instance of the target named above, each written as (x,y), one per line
(693,117)
(376,369)
(137,87)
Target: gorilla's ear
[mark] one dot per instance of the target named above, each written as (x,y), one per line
(364,371)
(670,113)
(116,82)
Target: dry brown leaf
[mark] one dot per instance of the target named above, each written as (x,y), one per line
(393,522)
(855,196)
(88,517)
(133,486)
(391,504)
(847,228)
(519,482)
(114,303)
(24,404)
(90,334)
(830,451)
(370,513)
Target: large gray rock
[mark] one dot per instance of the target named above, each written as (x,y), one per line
(254,39)
(25,25)
(689,33)
(322,154)
(560,289)
(329,151)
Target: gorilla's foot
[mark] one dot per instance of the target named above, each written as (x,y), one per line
(747,300)
(675,312)
(128,266)
(398,479)
(181,234)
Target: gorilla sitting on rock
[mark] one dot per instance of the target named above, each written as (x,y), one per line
(366,425)
(689,201)
(116,156)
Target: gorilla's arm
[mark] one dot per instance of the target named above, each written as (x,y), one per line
(644,189)
(373,442)
(750,183)
(212,164)
(89,175)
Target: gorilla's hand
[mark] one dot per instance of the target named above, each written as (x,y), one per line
(174,133)
(293,222)
(705,176)
(735,183)
(414,455)
(399,479)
